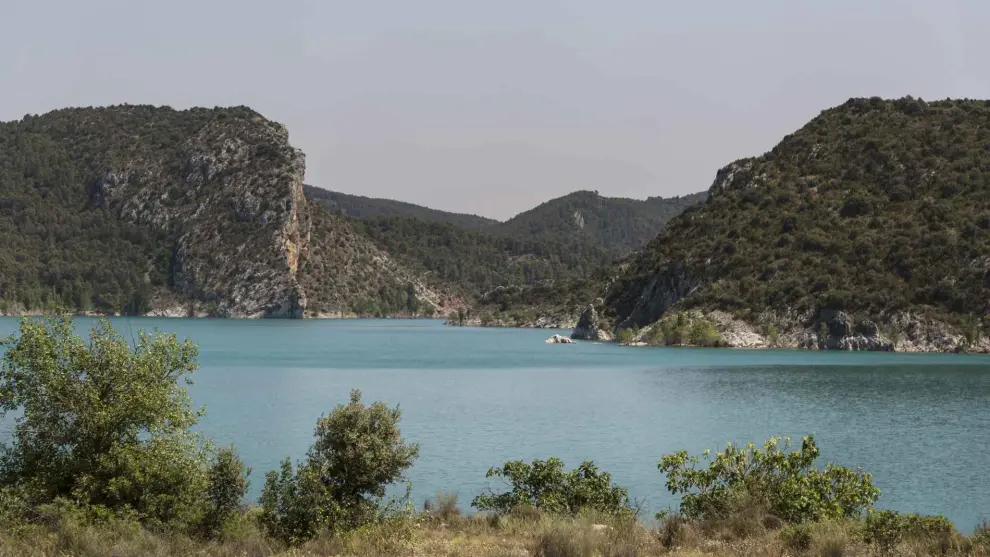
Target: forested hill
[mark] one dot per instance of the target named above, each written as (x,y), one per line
(141,209)
(867,228)
(361,207)
(616,224)
(564,239)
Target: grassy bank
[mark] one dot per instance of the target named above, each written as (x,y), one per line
(443,532)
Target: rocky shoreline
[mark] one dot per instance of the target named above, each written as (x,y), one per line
(831,330)
(837,331)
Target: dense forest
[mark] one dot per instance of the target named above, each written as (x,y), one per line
(618,225)
(875,208)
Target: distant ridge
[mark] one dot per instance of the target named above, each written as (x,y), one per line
(358,206)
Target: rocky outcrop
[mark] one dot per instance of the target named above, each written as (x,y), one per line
(589,326)
(652,295)
(831,330)
(234,206)
(559,339)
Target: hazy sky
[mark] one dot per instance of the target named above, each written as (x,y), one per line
(493,107)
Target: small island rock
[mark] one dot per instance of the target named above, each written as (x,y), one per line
(559,339)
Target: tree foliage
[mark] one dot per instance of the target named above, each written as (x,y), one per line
(784,483)
(106,424)
(544,485)
(359,451)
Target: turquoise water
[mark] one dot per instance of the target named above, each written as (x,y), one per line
(474,398)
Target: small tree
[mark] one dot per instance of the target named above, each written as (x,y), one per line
(228,483)
(704,333)
(773,335)
(545,486)
(359,451)
(785,483)
(104,423)
(626,336)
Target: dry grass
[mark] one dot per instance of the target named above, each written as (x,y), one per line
(479,536)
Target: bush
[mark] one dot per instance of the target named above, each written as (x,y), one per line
(296,505)
(784,483)
(545,486)
(675,330)
(981,534)
(558,540)
(704,333)
(885,529)
(104,423)
(358,452)
(626,336)
(443,507)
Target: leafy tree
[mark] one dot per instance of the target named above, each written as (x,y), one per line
(785,483)
(359,451)
(104,423)
(545,485)
(228,484)
(704,333)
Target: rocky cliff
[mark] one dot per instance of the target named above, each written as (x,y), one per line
(230,195)
(148,210)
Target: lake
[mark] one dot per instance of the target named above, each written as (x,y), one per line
(474,398)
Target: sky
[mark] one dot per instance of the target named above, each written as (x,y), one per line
(494,107)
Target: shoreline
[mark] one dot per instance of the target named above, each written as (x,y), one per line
(981,348)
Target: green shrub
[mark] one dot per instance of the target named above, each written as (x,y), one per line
(773,335)
(655,336)
(704,333)
(674,330)
(626,336)
(359,451)
(296,505)
(784,483)
(104,423)
(885,529)
(545,486)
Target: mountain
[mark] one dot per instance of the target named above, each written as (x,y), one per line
(477,261)
(364,207)
(868,228)
(542,246)
(618,225)
(140,209)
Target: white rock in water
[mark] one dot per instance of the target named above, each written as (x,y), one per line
(558,339)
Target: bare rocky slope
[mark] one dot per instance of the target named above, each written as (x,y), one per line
(148,210)
(867,229)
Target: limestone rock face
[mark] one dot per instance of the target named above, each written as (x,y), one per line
(233,202)
(589,326)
